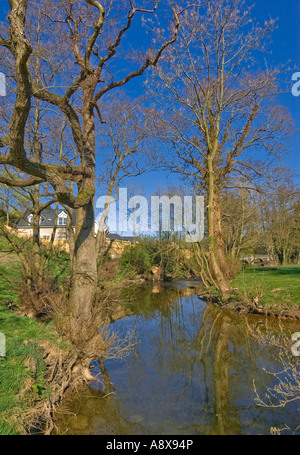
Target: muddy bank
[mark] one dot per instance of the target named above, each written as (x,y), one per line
(246,306)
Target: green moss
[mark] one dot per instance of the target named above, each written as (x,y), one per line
(85,194)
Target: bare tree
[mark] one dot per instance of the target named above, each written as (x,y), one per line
(281,219)
(127,148)
(91,61)
(223,121)
(242,224)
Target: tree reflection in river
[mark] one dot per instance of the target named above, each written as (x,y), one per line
(191,372)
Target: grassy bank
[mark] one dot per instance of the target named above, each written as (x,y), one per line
(270,286)
(42,359)
(22,371)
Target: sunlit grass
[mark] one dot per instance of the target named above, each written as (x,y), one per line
(22,350)
(277,285)
(22,371)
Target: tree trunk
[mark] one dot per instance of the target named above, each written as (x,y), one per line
(71,240)
(84,273)
(218,232)
(7,216)
(36,266)
(215,240)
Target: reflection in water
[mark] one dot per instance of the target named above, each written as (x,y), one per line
(191,372)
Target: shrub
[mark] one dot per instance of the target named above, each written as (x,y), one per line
(136,257)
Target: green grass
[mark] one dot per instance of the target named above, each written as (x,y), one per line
(9,283)
(278,285)
(22,371)
(22,366)
(60,266)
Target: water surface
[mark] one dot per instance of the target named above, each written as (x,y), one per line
(194,369)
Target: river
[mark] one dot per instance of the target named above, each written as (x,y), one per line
(193,369)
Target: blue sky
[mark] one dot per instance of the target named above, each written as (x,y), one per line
(285,47)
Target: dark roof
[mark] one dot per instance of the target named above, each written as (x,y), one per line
(119,237)
(47,218)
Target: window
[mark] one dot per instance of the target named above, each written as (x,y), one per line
(62,219)
(30,219)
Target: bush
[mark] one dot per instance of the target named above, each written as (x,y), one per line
(136,258)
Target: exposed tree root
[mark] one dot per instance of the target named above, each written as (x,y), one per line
(86,338)
(251,306)
(62,373)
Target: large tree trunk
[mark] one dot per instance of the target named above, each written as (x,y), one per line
(218,233)
(84,273)
(215,239)
(37,266)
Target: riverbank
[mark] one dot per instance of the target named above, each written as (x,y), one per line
(40,363)
(270,285)
(30,348)
(23,375)
(270,291)
(33,348)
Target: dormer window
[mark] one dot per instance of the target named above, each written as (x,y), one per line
(30,219)
(62,219)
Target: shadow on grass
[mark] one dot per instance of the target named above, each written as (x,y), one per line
(276,270)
